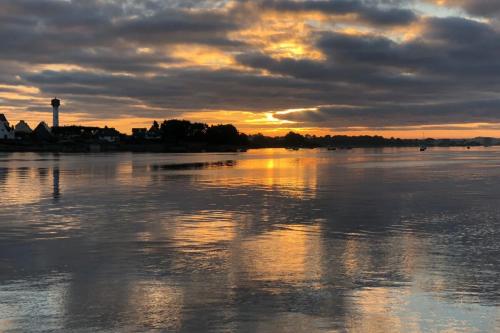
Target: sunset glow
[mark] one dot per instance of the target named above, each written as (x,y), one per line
(398,70)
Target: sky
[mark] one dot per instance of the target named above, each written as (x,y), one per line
(389,67)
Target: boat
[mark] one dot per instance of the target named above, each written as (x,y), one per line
(332,148)
(423,146)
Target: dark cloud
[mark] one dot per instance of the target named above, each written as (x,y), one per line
(123,49)
(481,111)
(486,8)
(369,13)
(50,31)
(184,89)
(448,75)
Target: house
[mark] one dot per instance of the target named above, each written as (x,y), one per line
(42,132)
(154,133)
(22,130)
(107,134)
(74,133)
(139,133)
(6,132)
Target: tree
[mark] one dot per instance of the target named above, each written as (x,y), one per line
(175,130)
(223,134)
(293,139)
(155,127)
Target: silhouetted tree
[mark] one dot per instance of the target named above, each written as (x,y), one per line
(175,130)
(223,134)
(198,132)
(293,139)
(155,127)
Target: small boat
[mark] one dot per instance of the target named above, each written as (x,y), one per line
(423,146)
(468,147)
(332,148)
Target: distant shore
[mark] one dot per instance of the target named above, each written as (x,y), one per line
(183,136)
(110,147)
(10,146)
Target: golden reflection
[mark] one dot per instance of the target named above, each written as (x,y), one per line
(289,255)
(375,311)
(195,231)
(156,305)
(200,229)
(22,185)
(295,177)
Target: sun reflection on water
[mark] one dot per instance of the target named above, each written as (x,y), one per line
(271,240)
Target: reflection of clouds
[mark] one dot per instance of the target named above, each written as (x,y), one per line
(291,322)
(293,177)
(288,255)
(373,311)
(190,231)
(195,231)
(386,309)
(279,241)
(25,304)
(23,178)
(155,305)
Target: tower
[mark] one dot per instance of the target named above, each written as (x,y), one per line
(55,112)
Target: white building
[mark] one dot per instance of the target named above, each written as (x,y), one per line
(55,112)
(6,132)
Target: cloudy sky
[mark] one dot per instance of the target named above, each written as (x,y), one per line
(389,67)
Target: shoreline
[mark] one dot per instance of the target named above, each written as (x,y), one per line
(169,148)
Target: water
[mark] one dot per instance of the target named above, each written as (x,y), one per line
(389,240)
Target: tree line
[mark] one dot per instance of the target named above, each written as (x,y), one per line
(183,131)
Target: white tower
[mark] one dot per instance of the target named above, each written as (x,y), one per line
(55,112)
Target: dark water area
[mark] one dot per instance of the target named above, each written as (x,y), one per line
(366,240)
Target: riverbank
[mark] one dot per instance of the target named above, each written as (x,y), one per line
(115,147)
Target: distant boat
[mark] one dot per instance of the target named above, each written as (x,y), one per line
(423,147)
(332,148)
(468,147)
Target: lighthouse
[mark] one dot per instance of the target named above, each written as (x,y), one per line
(55,112)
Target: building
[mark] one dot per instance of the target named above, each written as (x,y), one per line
(6,132)
(139,133)
(42,132)
(154,133)
(107,134)
(55,112)
(22,130)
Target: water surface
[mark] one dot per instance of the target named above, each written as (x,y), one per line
(386,240)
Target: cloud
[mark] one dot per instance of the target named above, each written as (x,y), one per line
(480,111)
(367,13)
(159,58)
(484,8)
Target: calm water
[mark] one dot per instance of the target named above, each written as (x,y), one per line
(389,240)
